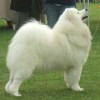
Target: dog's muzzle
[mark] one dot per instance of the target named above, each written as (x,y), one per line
(84,17)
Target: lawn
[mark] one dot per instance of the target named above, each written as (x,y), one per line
(50,86)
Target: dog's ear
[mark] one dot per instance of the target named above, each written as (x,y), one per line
(70,14)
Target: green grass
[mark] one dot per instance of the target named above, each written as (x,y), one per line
(50,86)
(3,22)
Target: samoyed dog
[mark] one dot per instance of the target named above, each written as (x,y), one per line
(36,46)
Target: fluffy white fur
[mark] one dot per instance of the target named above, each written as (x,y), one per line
(36,46)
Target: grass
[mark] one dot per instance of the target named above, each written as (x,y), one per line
(50,86)
(3,22)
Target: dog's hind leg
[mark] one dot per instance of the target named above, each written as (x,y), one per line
(13,86)
(73,77)
(9,82)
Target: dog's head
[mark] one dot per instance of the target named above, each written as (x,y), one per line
(72,14)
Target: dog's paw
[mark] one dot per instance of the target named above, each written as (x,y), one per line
(17,94)
(77,88)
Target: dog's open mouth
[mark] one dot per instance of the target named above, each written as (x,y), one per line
(84,17)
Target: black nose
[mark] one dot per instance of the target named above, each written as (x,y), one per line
(86,9)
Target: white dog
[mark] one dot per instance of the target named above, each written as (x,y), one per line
(36,46)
